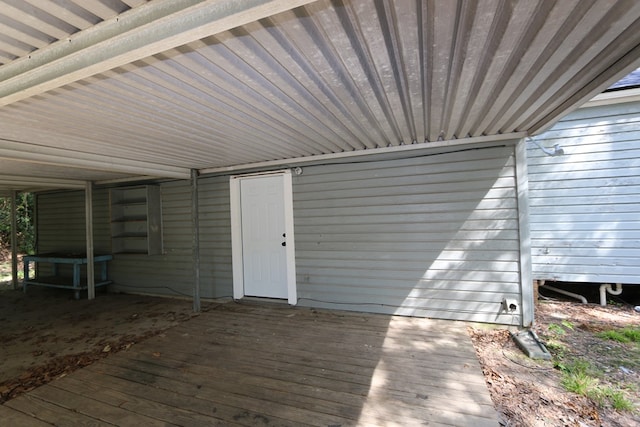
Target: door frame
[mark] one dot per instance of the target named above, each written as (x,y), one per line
(236,233)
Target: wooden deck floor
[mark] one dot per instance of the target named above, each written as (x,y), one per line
(269,365)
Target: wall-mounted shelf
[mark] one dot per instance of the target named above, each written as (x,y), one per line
(136,220)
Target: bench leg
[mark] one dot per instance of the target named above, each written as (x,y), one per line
(76,280)
(25,269)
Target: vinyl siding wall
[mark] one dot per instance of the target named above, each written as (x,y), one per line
(431,236)
(585,205)
(216,274)
(171,272)
(61,228)
(61,223)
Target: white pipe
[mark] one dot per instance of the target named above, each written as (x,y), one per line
(555,151)
(604,288)
(567,293)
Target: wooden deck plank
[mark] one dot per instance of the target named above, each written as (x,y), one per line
(181,396)
(346,319)
(253,364)
(279,333)
(255,370)
(363,324)
(278,364)
(138,403)
(86,406)
(425,362)
(210,389)
(300,389)
(336,352)
(14,417)
(405,325)
(51,413)
(261,384)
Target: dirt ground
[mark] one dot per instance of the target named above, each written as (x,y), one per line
(528,392)
(46,334)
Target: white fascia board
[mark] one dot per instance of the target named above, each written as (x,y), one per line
(615,97)
(144,31)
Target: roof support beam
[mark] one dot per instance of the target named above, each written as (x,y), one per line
(618,69)
(32,153)
(24,181)
(14,239)
(195,232)
(88,210)
(475,142)
(139,33)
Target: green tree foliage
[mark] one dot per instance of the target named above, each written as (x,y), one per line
(25,226)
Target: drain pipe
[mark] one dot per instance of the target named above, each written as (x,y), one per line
(563,292)
(607,288)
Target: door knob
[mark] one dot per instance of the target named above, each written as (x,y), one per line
(284,243)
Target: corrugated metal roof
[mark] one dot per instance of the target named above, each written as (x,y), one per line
(28,25)
(326,78)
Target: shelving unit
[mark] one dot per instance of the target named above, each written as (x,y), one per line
(136,220)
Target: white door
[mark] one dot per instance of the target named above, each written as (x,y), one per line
(263,251)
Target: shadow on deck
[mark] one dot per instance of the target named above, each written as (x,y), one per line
(258,364)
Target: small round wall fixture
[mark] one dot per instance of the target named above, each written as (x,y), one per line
(297,170)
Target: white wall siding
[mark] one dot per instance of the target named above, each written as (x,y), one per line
(585,205)
(432,236)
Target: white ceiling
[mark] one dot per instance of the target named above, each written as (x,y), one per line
(108,89)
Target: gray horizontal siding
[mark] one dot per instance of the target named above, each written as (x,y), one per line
(170,273)
(216,276)
(61,223)
(585,205)
(61,227)
(433,236)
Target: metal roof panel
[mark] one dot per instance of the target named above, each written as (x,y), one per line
(329,78)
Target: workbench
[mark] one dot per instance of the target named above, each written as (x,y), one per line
(58,281)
